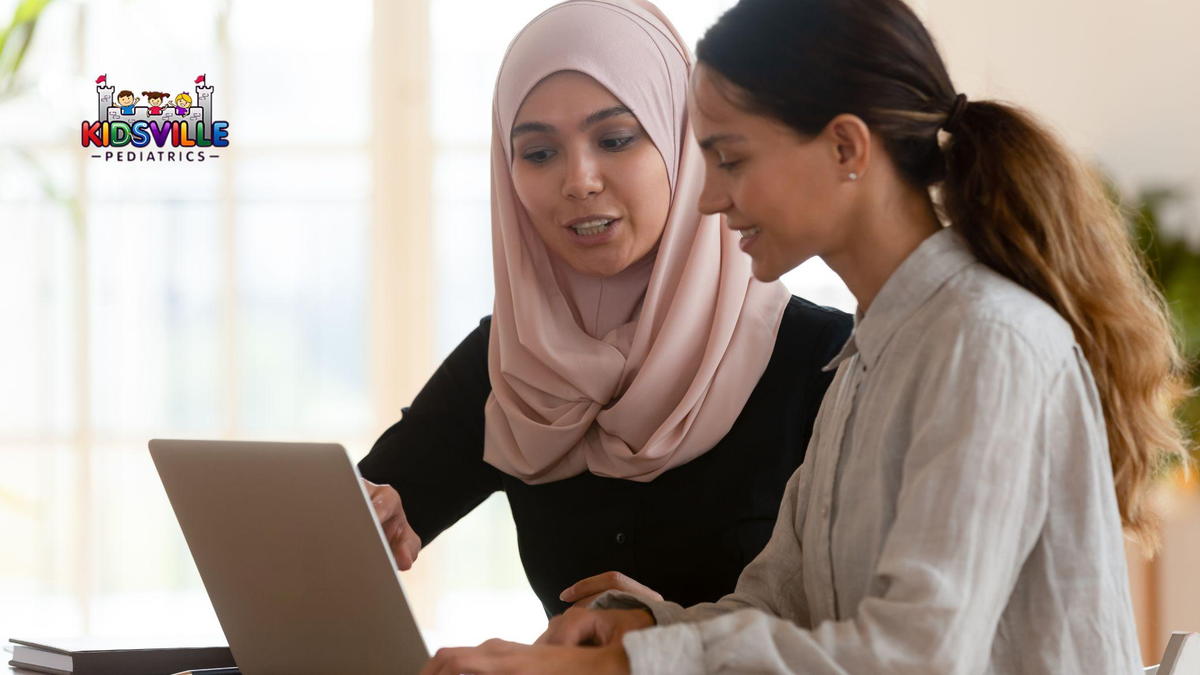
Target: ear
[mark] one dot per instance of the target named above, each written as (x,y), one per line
(850,140)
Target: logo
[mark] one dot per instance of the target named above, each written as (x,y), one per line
(182,123)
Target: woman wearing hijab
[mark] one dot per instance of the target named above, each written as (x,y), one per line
(997,416)
(637,395)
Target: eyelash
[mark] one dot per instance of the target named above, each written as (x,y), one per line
(532,156)
(728,166)
(623,142)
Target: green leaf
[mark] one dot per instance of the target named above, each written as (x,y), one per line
(16,37)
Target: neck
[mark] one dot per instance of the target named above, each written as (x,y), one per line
(886,231)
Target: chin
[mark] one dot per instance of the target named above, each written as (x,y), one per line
(596,268)
(764,271)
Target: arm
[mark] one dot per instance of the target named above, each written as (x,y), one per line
(971,504)
(433,456)
(615,613)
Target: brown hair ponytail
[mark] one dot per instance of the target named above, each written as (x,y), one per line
(1023,202)
(1030,211)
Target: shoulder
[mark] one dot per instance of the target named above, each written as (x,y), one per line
(484,327)
(482,333)
(472,351)
(809,336)
(478,337)
(988,313)
(807,324)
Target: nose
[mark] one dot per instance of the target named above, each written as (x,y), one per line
(713,197)
(583,178)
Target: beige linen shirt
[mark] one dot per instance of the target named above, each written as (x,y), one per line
(955,513)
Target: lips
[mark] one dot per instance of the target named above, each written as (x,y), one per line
(593,230)
(590,221)
(592,227)
(749,236)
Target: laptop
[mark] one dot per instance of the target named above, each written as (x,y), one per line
(292,557)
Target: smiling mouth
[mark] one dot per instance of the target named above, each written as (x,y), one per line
(592,226)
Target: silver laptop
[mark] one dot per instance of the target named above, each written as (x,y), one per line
(292,557)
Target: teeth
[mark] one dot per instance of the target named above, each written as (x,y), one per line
(591,227)
(749,232)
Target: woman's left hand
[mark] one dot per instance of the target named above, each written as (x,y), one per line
(584,591)
(500,656)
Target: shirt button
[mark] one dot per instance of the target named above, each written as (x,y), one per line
(620,537)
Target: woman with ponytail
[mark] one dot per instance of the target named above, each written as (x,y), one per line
(997,414)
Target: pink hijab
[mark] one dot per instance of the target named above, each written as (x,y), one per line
(630,375)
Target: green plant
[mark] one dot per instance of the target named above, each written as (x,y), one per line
(14,43)
(1175,267)
(15,39)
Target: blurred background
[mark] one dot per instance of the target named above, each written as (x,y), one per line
(304,285)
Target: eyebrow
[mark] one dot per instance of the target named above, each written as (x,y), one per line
(598,116)
(709,142)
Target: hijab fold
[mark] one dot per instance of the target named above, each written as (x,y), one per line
(630,375)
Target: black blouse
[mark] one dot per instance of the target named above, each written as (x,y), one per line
(687,534)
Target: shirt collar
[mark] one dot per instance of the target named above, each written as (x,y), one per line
(923,272)
(850,348)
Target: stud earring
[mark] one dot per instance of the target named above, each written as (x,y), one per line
(853,176)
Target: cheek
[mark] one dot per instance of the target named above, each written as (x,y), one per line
(792,196)
(534,191)
(647,191)
(765,198)
(530,188)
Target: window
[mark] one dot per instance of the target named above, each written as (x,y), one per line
(218,299)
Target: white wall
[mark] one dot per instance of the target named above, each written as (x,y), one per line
(1118,79)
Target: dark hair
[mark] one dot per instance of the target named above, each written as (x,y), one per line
(155,94)
(124,93)
(1025,205)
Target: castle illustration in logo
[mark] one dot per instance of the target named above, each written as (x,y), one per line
(198,109)
(182,121)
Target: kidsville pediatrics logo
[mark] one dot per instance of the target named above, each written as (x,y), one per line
(183,123)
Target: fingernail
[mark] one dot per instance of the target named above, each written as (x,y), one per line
(563,596)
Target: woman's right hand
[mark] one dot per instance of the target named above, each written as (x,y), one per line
(594,627)
(401,538)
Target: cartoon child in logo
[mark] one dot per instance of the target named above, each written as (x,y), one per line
(182,103)
(126,100)
(155,99)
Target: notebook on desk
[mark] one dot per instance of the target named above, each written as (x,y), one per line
(292,556)
(104,656)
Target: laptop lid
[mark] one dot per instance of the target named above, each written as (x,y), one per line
(292,557)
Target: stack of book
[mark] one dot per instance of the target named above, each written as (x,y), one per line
(91,656)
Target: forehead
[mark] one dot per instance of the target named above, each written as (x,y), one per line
(565,95)
(714,115)
(708,103)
